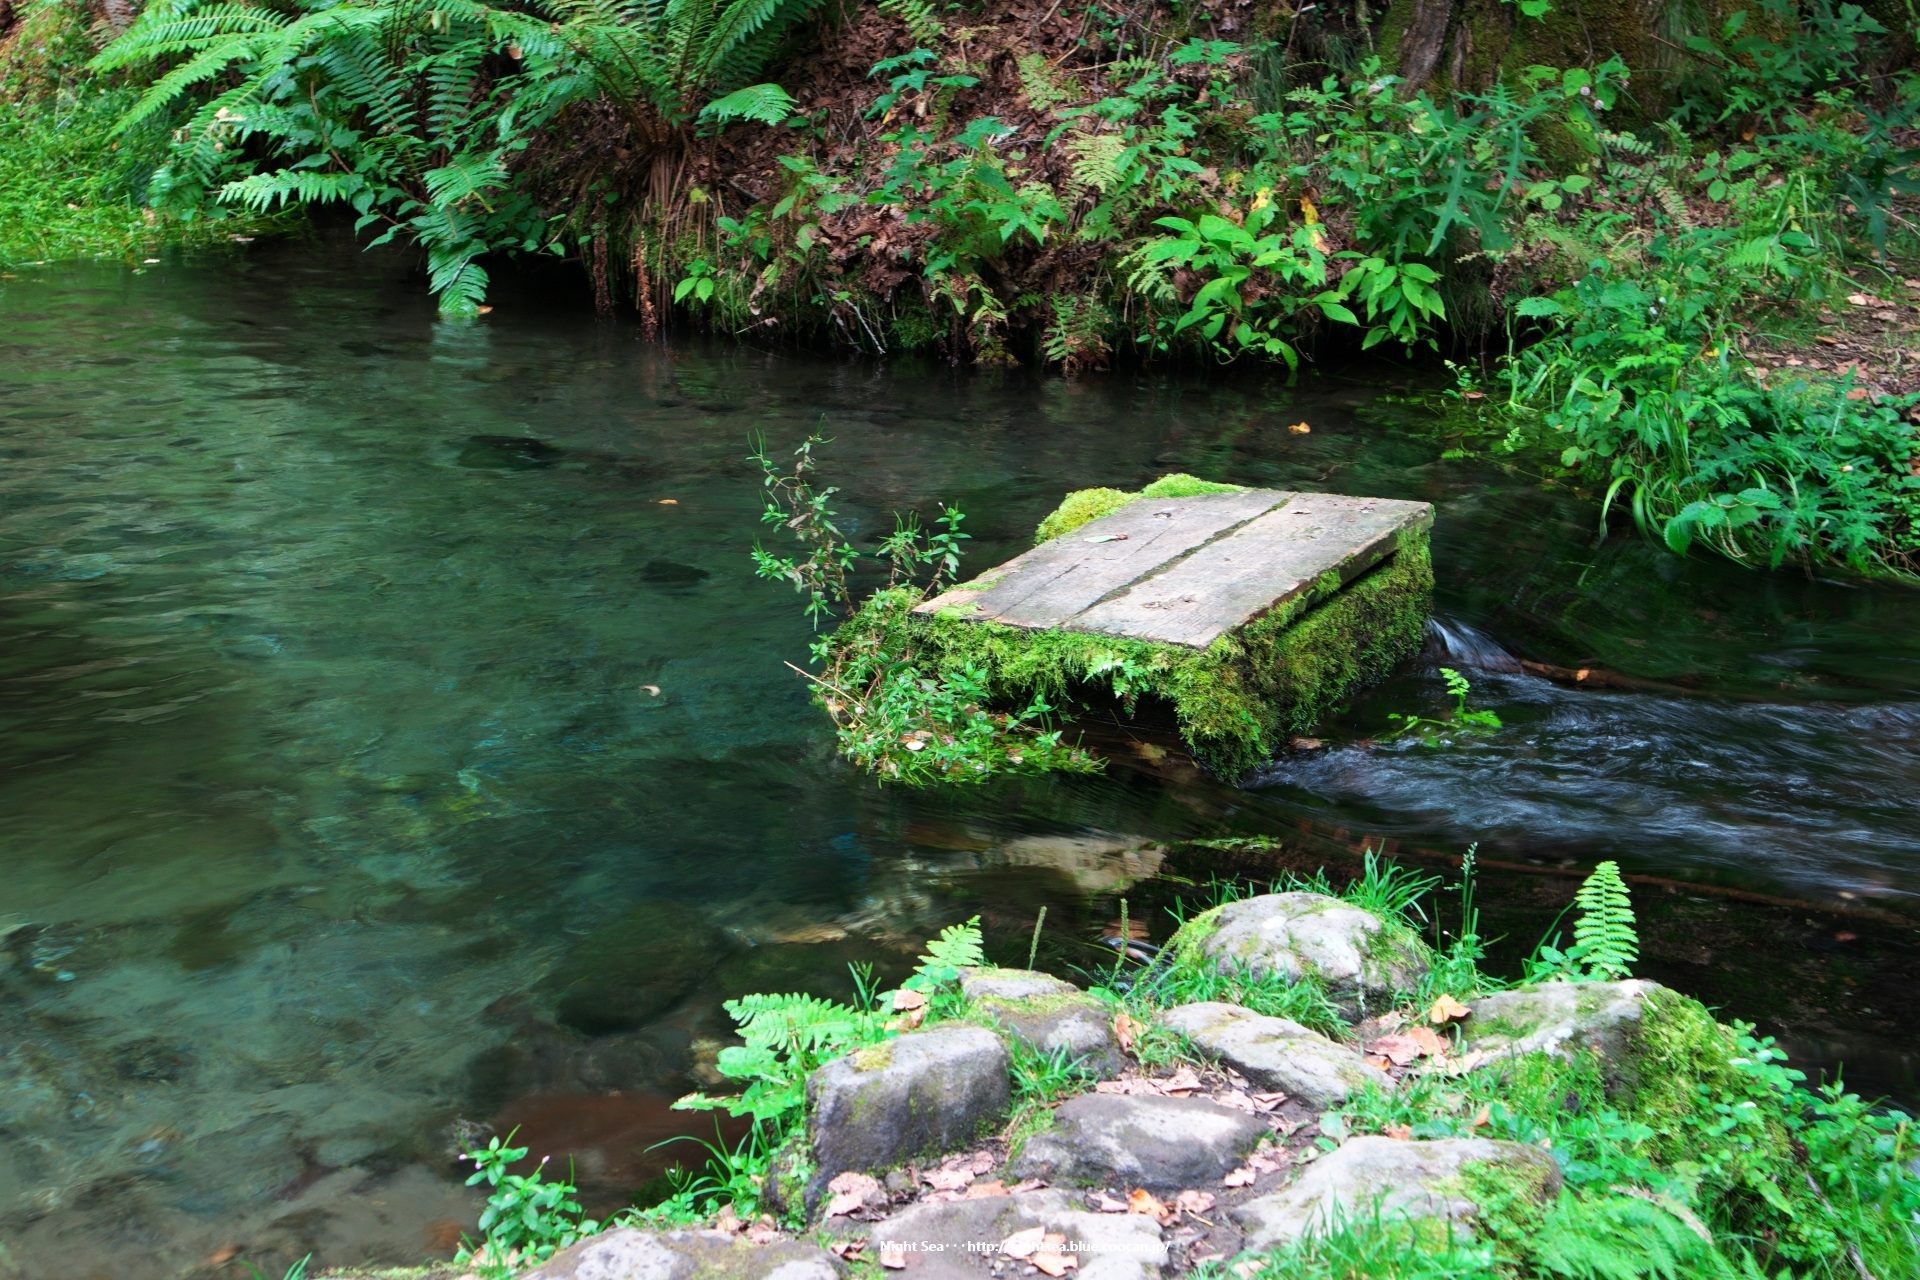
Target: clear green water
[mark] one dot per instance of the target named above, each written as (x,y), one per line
(337,810)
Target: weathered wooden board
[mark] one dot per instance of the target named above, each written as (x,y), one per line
(1047,586)
(1240,575)
(1186,571)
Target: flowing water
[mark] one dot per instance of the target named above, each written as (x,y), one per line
(397,742)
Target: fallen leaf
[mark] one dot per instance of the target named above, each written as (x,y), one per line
(1430,1043)
(1268,1101)
(1266,1162)
(1050,1258)
(1378,1061)
(225,1253)
(1826,339)
(1397,1049)
(893,1255)
(1197,1259)
(851,1250)
(1241,1177)
(903,1000)
(1299,429)
(1247,1268)
(981,1190)
(1143,1202)
(1195,1201)
(1236,1099)
(851,1191)
(728,1221)
(1483,1117)
(1123,1031)
(1026,1184)
(674,502)
(1391,1020)
(1399,1132)
(1859,299)
(1446,1009)
(1021,1244)
(652,689)
(1858,393)
(948,1179)
(1181,1082)
(1105,1203)
(763,1235)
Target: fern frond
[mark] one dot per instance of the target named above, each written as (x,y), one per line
(919,19)
(958,947)
(1604,933)
(762,103)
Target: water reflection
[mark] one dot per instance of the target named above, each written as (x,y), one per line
(396,740)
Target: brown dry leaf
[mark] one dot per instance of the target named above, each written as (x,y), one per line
(729,1221)
(1236,1099)
(1461,1065)
(1195,1202)
(851,1250)
(1267,1160)
(981,1190)
(1021,1244)
(1391,1020)
(1142,1202)
(893,1255)
(1115,1086)
(1826,339)
(1198,1259)
(1379,1061)
(1051,1259)
(909,1021)
(1105,1203)
(763,1234)
(225,1253)
(1241,1177)
(1859,299)
(1123,1031)
(1429,1041)
(1268,1101)
(1298,429)
(1446,1009)
(903,1000)
(1026,1184)
(850,1191)
(1483,1117)
(1858,393)
(1399,1132)
(1397,1049)
(1246,1268)
(1180,1083)
(948,1179)
(669,502)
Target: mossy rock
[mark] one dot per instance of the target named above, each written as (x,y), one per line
(1084,506)
(1235,700)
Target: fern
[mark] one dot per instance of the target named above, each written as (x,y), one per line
(1037,80)
(958,947)
(765,103)
(918,17)
(1604,937)
(785,1038)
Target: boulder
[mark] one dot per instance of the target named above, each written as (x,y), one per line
(1126,1140)
(629,970)
(959,1239)
(1562,1018)
(1359,960)
(1048,1015)
(1412,1180)
(923,1092)
(1276,1053)
(627,1253)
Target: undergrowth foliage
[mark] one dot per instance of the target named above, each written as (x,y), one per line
(893,716)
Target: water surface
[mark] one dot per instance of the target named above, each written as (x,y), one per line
(396,741)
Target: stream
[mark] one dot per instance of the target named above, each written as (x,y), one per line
(395,743)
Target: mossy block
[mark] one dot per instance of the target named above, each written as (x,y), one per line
(1083,506)
(1252,611)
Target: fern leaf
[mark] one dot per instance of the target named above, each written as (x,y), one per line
(762,103)
(958,947)
(1604,933)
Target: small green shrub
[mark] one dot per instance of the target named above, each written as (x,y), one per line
(527,1218)
(1605,945)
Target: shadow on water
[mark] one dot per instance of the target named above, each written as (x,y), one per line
(395,741)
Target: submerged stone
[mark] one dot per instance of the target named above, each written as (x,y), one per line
(961,1239)
(1407,1180)
(1276,1053)
(634,967)
(1361,961)
(1127,1140)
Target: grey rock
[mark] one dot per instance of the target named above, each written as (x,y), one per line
(1162,1144)
(924,1092)
(1411,1180)
(1276,1053)
(1360,962)
(959,1239)
(1012,984)
(628,970)
(1046,1014)
(627,1253)
(1561,1018)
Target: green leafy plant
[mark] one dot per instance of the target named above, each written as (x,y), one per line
(1605,945)
(1460,719)
(527,1218)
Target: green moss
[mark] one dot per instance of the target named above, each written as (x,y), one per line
(875,1057)
(1235,700)
(1083,506)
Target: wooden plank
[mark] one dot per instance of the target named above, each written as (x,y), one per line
(1049,585)
(1266,562)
